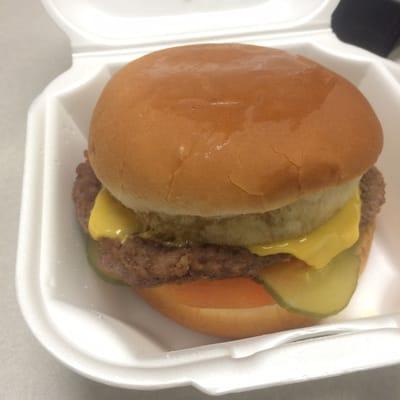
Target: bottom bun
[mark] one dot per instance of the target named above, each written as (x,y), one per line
(239,322)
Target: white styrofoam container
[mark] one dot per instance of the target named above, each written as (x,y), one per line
(104,332)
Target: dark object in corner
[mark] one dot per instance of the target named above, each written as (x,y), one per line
(371,24)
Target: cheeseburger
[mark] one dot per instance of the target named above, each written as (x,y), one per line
(233,187)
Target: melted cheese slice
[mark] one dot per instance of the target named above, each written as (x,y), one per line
(324,243)
(110,219)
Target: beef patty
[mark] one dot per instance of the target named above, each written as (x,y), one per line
(143,262)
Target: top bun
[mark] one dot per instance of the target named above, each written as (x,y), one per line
(227,129)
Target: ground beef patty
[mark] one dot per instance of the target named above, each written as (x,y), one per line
(140,262)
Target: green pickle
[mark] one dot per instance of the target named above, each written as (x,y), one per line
(93,257)
(314,292)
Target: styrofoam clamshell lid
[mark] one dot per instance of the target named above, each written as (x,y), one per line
(102,24)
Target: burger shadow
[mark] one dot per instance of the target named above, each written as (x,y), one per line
(384,270)
(390,301)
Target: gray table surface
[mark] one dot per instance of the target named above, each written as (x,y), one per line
(34,51)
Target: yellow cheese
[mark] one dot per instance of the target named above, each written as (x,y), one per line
(324,243)
(110,219)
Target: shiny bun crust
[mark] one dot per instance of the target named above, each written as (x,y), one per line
(228,129)
(239,323)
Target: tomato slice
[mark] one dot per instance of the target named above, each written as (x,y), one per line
(221,293)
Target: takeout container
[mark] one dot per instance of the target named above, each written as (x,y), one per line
(106,333)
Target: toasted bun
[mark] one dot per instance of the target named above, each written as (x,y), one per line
(239,323)
(227,129)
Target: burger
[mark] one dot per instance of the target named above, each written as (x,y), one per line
(232,186)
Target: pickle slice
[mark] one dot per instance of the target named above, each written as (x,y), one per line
(93,258)
(314,292)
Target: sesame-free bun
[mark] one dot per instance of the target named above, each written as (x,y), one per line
(227,129)
(239,322)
